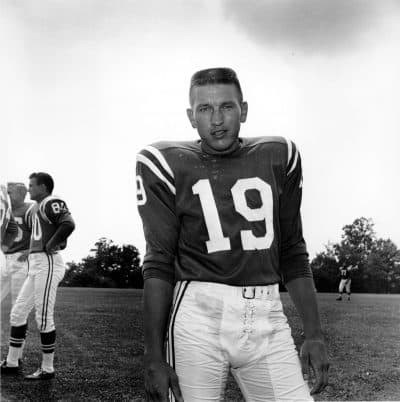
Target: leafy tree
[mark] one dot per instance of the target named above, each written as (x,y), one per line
(110,266)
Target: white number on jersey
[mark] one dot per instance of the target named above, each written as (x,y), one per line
(36,230)
(218,242)
(140,193)
(20,221)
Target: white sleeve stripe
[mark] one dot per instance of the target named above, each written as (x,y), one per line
(28,212)
(289,144)
(156,171)
(296,156)
(159,156)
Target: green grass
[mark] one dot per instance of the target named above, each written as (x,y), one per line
(99,348)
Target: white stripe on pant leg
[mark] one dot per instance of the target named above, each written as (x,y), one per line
(46,291)
(170,338)
(46,294)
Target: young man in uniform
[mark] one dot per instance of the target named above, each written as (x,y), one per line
(8,226)
(16,268)
(221,218)
(345,281)
(52,224)
(17,254)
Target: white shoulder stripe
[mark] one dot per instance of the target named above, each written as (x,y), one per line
(156,171)
(296,157)
(159,156)
(28,213)
(289,145)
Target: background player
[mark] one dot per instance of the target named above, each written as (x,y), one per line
(221,217)
(52,224)
(8,226)
(345,280)
(17,253)
(16,268)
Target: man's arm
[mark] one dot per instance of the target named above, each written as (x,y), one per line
(297,274)
(158,375)
(313,352)
(156,205)
(10,234)
(60,235)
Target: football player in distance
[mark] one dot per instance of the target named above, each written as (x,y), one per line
(52,223)
(221,218)
(345,280)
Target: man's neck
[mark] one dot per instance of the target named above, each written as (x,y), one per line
(207,149)
(41,198)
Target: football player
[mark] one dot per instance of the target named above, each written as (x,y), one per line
(221,218)
(52,223)
(17,253)
(8,226)
(16,268)
(345,281)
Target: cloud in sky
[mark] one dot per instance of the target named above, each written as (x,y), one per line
(311,25)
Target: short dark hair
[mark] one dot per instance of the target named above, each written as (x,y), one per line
(43,178)
(219,75)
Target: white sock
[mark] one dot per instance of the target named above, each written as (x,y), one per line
(21,350)
(48,362)
(12,357)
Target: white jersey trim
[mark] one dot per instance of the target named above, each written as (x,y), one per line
(296,157)
(156,171)
(159,156)
(289,145)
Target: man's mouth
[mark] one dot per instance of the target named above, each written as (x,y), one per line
(218,133)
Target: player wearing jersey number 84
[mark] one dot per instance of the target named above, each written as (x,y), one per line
(221,218)
(52,224)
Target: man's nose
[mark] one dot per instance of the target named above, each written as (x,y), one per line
(217,117)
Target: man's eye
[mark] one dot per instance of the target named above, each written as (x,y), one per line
(227,107)
(204,109)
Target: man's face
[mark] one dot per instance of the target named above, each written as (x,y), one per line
(36,191)
(16,193)
(216,113)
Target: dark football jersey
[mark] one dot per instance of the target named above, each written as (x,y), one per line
(231,219)
(344,273)
(23,218)
(47,216)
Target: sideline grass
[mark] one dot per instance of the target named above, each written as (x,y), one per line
(99,348)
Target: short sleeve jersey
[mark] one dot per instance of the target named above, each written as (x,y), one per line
(23,218)
(344,273)
(231,219)
(5,212)
(47,216)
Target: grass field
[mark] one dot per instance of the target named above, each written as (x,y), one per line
(99,348)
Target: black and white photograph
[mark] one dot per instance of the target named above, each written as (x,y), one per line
(200,200)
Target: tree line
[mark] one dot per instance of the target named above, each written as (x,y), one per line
(377,259)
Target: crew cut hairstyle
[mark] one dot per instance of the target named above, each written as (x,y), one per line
(219,75)
(44,178)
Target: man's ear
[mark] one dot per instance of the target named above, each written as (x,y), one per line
(189,113)
(243,114)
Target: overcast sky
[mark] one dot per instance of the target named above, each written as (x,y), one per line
(86,84)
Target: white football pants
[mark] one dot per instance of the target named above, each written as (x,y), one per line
(215,328)
(13,275)
(344,283)
(39,290)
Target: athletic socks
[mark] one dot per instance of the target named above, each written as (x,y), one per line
(48,340)
(17,339)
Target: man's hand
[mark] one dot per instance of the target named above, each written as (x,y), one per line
(159,377)
(313,354)
(23,256)
(51,248)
